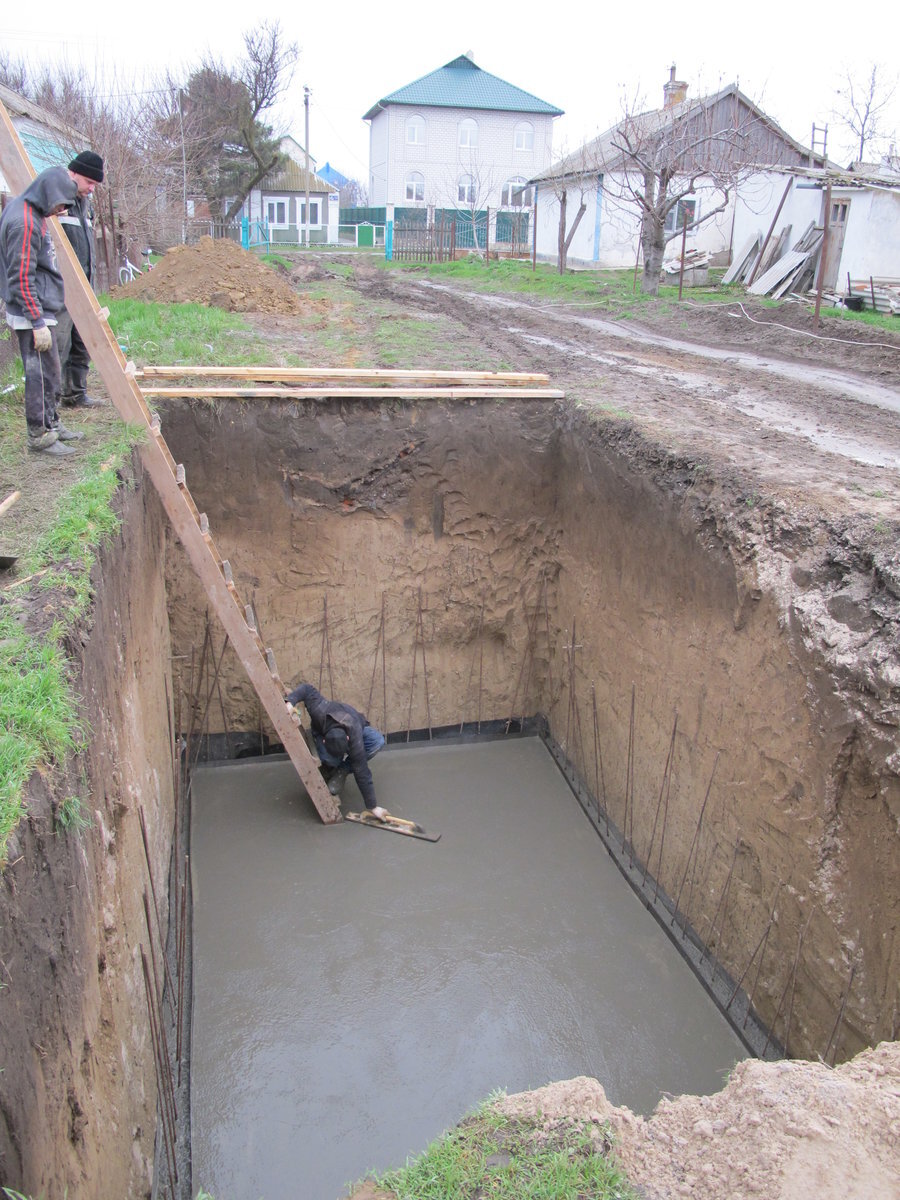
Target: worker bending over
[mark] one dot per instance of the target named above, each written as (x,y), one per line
(345,742)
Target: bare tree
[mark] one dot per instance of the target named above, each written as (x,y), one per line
(864,107)
(575,181)
(470,194)
(665,155)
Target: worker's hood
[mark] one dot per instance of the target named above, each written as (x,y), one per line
(51,188)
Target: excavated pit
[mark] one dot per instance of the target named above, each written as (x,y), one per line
(447,564)
(714,696)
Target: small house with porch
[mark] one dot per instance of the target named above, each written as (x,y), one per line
(276,208)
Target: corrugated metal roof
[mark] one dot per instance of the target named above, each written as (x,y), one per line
(462,84)
(293,178)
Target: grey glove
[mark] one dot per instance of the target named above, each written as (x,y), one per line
(43,339)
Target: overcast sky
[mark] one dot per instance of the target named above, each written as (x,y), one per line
(788,58)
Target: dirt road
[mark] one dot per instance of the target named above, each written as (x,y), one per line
(755,395)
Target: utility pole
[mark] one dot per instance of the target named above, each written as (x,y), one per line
(306,149)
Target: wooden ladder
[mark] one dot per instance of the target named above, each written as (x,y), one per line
(168,478)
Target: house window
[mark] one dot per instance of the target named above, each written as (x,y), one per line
(415,131)
(468,134)
(524,136)
(681,214)
(277,211)
(415,186)
(515,194)
(313,212)
(465,190)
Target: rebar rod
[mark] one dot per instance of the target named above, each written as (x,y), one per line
(180,947)
(662,836)
(168,1123)
(723,905)
(598,762)
(375,659)
(160,1002)
(759,945)
(662,788)
(787,984)
(528,644)
(159,934)
(424,666)
(840,1017)
(204,724)
(549,639)
(629,786)
(692,850)
(479,647)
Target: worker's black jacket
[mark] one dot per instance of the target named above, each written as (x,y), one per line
(78,224)
(324,715)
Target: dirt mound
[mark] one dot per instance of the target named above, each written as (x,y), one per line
(219,273)
(777,1131)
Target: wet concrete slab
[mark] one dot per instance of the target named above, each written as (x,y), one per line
(356,992)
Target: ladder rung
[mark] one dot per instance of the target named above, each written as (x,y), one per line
(204,524)
(180,478)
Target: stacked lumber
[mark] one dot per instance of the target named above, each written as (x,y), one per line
(744,261)
(794,271)
(696,268)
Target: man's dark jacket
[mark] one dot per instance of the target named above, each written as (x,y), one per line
(326,714)
(78,225)
(30,281)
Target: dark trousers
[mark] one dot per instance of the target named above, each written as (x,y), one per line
(74,360)
(41,382)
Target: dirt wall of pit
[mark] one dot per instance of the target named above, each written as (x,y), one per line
(78,1110)
(433,563)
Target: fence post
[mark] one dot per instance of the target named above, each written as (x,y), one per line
(245,233)
(389,241)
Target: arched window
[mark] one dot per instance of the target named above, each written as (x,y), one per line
(516,194)
(524,136)
(465,192)
(415,131)
(415,186)
(468,134)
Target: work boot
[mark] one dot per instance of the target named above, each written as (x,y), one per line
(48,443)
(82,401)
(67,435)
(337,780)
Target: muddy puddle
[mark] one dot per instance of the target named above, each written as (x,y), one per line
(357,992)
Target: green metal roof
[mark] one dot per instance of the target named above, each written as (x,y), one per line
(461,84)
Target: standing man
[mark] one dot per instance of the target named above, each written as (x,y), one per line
(344,739)
(32,287)
(86,169)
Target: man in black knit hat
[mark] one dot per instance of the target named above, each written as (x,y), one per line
(86,169)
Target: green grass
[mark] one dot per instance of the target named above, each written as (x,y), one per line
(39,721)
(504,1158)
(72,816)
(38,718)
(152,334)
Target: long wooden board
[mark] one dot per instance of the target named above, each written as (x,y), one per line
(347,374)
(356,393)
(169,481)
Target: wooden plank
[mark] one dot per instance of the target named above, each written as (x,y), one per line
(356,393)
(349,374)
(126,396)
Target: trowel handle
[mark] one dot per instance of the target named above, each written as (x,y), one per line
(9,502)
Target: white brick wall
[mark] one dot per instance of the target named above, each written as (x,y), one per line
(441,161)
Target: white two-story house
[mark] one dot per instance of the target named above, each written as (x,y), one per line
(458,139)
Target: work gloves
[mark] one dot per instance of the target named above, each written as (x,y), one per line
(43,339)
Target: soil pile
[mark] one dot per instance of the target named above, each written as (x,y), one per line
(778,1131)
(219,273)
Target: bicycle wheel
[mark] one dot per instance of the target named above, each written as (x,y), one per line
(125,276)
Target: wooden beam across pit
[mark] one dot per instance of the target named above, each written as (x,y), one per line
(351,375)
(170,483)
(352,393)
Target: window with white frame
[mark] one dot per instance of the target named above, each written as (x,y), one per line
(415,131)
(524,136)
(465,190)
(515,194)
(468,134)
(681,214)
(415,186)
(313,212)
(277,210)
